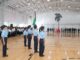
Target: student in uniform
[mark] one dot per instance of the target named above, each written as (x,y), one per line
(35,34)
(41,41)
(25,33)
(4,36)
(7,33)
(29,36)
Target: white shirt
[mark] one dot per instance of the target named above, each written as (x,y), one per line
(25,32)
(42,35)
(29,31)
(4,33)
(35,32)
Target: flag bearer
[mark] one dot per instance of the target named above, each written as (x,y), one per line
(35,34)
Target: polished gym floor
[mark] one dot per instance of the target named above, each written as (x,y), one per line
(56,48)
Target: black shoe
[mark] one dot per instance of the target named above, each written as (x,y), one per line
(25,46)
(36,52)
(7,48)
(5,55)
(29,48)
(41,55)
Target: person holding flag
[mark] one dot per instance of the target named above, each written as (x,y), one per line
(35,35)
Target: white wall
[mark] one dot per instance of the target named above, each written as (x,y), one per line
(70,19)
(1,15)
(13,17)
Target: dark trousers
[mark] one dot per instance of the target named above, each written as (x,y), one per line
(41,46)
(4,46)
(35,43)
(29,40)
(25,40)
(6,41)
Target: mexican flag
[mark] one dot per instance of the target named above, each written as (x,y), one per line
(34,20)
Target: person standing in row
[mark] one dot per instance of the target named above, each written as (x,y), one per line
(4,36)
(41,41)
(25,33)
(7,33)
(35,34)
(29,36)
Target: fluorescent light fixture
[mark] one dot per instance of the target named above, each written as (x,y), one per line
(69,6)
(50,7)
(29,4)
(77,8)
(61,0)
(48,0)
(33,0)
(73,0)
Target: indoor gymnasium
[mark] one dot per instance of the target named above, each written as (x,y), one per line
(39,29)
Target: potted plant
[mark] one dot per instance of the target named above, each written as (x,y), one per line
(58,17)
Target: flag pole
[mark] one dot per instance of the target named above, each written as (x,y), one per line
(34,21)
(35,14)
(32,51)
